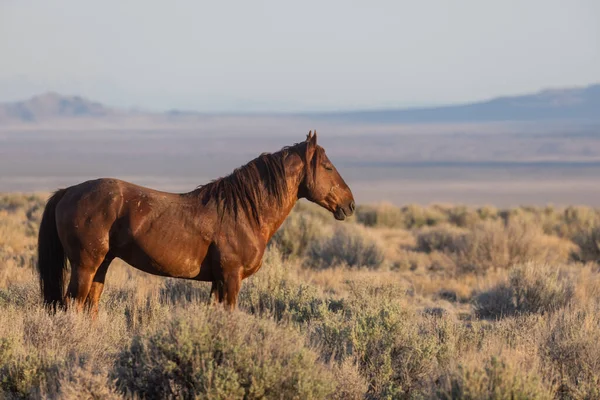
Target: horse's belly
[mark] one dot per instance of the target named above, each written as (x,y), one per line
(173,265)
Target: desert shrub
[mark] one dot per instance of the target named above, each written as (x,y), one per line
(350,245)
(571,346)
(463,217)
(396,350)
(530,288)
(182,291)
(274,292)
(16,232)
(217,354)
(493,245)
(416,216)
(19,221)
(408,217)
(576,219)
(21,295)
(314,211)
(382,215)
(23,375)
(495,378)
(298,232)
(588,240)
(442,238)
(38,349)
(13,202)
(351,385)
(85,383)
(488,213)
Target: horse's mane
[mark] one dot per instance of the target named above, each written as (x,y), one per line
(248,186)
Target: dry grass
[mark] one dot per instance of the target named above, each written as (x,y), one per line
(453,303)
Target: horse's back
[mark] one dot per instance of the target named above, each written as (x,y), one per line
(106,192)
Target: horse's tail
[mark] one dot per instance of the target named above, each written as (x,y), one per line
(52,261)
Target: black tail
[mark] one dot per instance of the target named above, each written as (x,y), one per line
(52,261)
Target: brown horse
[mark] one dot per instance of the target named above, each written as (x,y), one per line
(216,233)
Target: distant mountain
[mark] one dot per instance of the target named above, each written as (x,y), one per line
(582,104)
(552,104)
(51,106)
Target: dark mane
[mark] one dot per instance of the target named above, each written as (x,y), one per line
(249,186)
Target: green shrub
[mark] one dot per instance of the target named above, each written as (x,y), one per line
(211,353)
(273,292)
(23,375)
(396,350)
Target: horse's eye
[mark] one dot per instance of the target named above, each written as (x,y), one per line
(328,167)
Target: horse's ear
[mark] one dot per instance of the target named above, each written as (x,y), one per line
(311,139)
(311,145)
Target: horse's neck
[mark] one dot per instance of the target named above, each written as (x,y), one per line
(272,214)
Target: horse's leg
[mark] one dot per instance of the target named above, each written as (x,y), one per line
(93,297)
(79,285)
(233,283)
(83,269)
(216,291)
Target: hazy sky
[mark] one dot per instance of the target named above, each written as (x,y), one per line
(289,56)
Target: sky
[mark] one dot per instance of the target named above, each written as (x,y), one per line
(295,56)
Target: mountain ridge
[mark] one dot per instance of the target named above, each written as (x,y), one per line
(548,104)
(582,103)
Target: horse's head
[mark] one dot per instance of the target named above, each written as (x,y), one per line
(322,182)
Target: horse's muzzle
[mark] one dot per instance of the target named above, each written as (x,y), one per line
(342,212)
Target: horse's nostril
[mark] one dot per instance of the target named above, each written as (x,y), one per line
(352,206)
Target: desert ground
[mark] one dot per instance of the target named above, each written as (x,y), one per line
(429,302)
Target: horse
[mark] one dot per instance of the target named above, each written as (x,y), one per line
(216,233)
